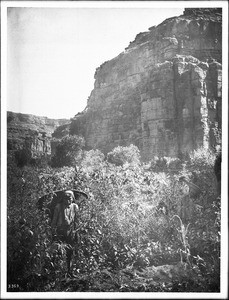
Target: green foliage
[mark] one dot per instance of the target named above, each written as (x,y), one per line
(202,158)
(23,157)
(127,223)
(92,160)
(201,171)
(165,164)
(121,155)
(68,151)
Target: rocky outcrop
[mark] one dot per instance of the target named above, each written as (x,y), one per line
(31,132)
(163,93)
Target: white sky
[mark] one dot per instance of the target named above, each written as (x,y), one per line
(53,53)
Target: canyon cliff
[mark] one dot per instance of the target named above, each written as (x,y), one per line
(163,93)
(32,133)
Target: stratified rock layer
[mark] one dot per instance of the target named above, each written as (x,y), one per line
(31,132)
(163,93)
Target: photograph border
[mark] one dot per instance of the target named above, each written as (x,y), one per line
(224,199)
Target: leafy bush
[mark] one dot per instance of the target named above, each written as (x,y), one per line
(23,157)
(92,160)
(165,164)
(68,151)
(121,155)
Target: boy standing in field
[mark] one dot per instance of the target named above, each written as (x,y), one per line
(63,223)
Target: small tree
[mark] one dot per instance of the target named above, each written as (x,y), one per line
(121,155)
(68,151)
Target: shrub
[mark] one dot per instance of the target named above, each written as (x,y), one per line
(201,172)
(121,155)
(23,157)
(165,164)
(68,151)
(93,160)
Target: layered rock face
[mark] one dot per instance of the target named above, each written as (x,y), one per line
(31,132)
(163,93)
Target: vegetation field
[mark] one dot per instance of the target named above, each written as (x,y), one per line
(141,228)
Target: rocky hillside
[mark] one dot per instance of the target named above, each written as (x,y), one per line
(163,93)
(31,132)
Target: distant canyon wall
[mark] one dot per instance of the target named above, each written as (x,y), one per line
(32,133)
(163,93)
